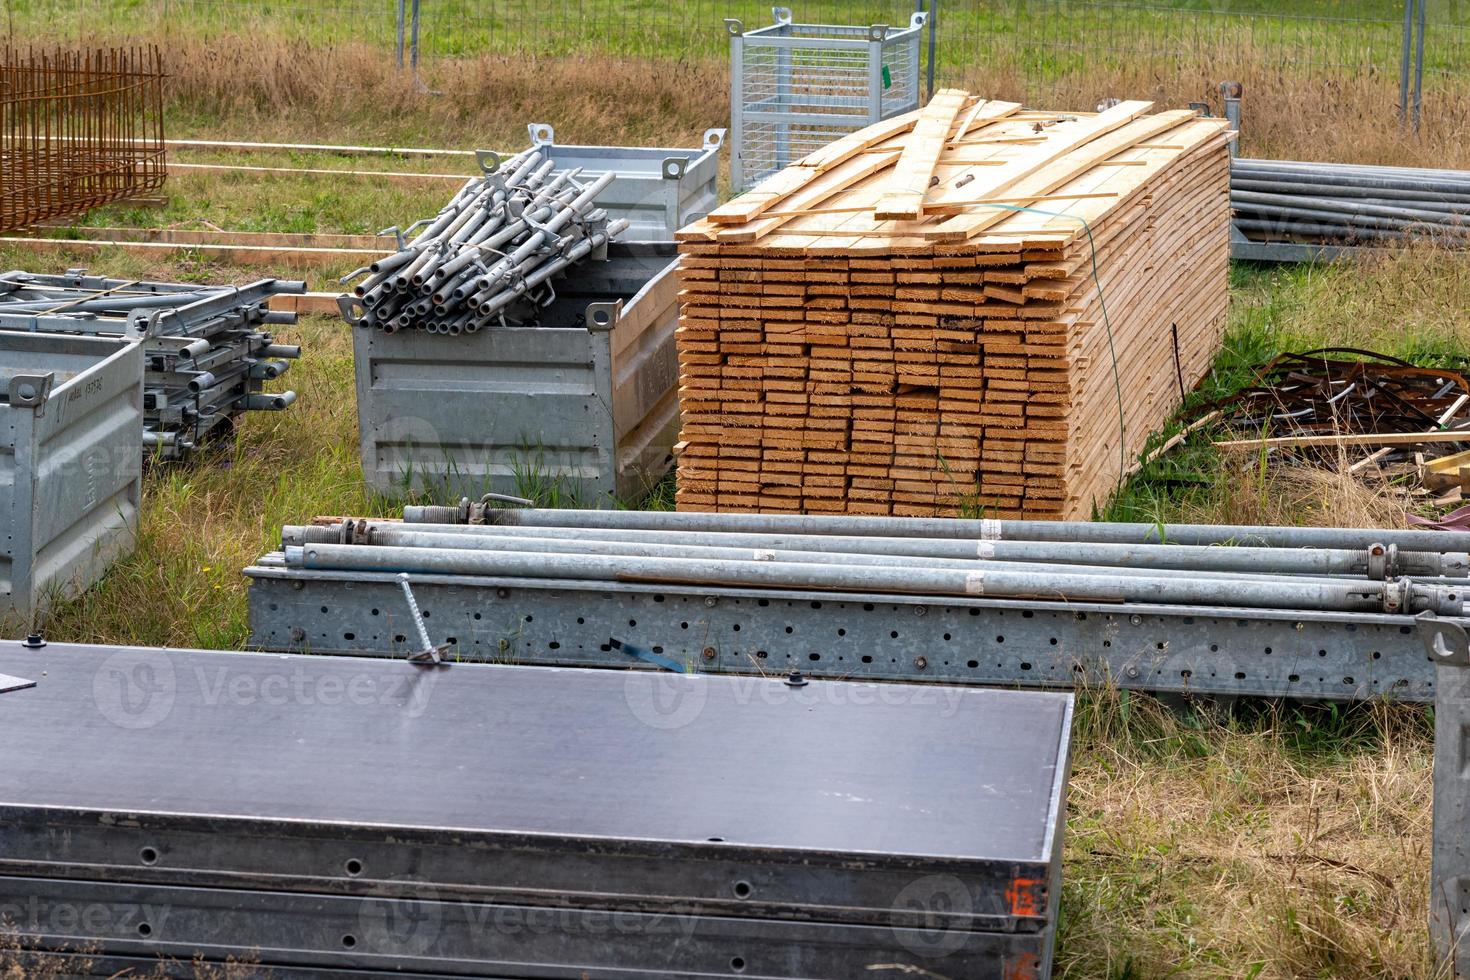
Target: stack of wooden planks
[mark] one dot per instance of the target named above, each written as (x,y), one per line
(975,308)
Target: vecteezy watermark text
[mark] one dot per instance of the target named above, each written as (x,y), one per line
(139,688)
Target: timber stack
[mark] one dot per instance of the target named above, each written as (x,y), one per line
(972,308)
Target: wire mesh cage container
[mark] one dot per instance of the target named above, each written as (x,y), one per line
(797,87)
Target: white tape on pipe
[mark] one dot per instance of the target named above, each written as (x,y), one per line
(765,556)
(985,549)
(975,583)
(989,529)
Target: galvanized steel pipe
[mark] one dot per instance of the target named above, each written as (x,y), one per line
(1252,560)
(390,535)
(1052,585)
(1455,542)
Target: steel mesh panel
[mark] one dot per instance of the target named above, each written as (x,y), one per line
(901,93)
(78,129)
(772,146)
(806,80)
(792,77)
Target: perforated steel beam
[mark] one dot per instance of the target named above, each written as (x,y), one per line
(1178,649)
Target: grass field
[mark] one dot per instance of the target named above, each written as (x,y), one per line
(1270,842)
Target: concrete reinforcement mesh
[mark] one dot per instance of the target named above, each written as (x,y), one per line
(77,129)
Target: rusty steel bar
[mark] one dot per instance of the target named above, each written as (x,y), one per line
(78,129)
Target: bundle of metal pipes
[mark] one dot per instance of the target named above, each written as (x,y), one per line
(490,255)
(1286,200)
(207,354)
(1264,567)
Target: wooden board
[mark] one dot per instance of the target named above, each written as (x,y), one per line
(908,182)
(1006,360)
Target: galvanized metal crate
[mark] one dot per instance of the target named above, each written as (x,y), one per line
(797,87)
(586,404)
(71,445)
(658,189)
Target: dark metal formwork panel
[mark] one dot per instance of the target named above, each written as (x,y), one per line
(372,815)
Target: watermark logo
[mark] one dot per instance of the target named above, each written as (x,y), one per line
(665,700)
(36,916)
(135,689)
(395,922)
(406,917)
(931,910)
(138,689)
(307,684)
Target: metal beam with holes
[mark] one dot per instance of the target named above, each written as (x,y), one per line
(1172,649)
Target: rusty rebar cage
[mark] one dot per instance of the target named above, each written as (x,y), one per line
(78,129)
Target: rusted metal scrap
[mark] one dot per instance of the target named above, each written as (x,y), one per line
(1350,392)
(1322,392)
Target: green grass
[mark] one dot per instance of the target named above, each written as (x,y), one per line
(1053,30)
(1406,306)
(294,203)
(1270,842)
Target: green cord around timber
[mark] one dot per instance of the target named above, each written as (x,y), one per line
(1107,324)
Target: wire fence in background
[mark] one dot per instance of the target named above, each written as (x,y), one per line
(1036,50)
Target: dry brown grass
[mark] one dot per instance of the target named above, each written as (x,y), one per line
(225,86)
(1257,491)
(1348,118)
(1283,845)
(18,962)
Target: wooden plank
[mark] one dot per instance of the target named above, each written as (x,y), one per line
(833,182)
(1349,439)
(316,172)
(344,150)
(885,236)
(175,236)
(944,208)
(323,303)
(783,183)
(397,151)
(235,254)
(910,179)
(816,362)
(1043,169)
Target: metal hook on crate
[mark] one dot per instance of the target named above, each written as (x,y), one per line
(349,307)
(398,233)
(1446,642)
(489,161)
